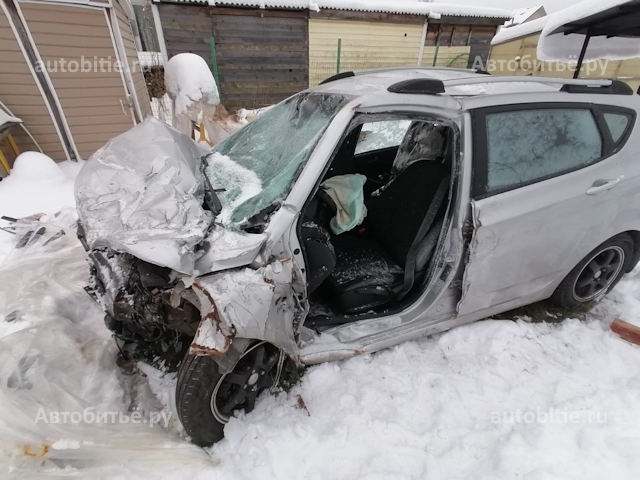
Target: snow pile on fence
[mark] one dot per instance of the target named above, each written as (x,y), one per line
(189,81)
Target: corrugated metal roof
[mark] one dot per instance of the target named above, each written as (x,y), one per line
(433,9)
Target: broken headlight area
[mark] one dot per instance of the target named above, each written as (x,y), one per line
(136,298)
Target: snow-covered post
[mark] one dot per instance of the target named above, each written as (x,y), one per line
(193,89)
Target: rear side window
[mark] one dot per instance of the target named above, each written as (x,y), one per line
(525,146)
(617,123)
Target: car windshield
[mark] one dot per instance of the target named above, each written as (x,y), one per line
(254,169)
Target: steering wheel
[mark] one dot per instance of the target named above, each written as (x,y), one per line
(324,199)
(326,208)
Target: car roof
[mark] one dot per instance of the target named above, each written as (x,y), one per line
(462,85)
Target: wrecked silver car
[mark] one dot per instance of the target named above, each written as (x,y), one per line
(365,212)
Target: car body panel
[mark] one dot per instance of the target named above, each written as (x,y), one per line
(489,257)
(224,249)
(246,303)
(526,240)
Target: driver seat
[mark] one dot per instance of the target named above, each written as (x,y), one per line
(372,270)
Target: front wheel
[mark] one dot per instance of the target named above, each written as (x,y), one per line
(597,273)
(206,398)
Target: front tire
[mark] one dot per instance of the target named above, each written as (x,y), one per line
(597,273)
(206,398)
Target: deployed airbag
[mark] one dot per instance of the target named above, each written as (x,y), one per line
(346,192)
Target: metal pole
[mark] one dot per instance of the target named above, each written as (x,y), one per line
(214,64)
(435,54)
(582,53)
(423,39)
(339,52)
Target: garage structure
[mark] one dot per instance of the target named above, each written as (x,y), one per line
(261,56)
(70,74)
(370,40)
(263,51)
(514,51)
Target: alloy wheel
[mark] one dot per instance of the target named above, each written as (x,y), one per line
(257,370)
(598,274)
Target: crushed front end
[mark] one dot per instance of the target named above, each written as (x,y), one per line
(136,298)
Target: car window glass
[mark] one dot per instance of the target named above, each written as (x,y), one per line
(378,135)
(256,167)
(617,123)
(526,145)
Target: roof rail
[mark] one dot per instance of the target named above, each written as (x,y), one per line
(422,86)
(393,69)
(341,75)
(545,80)
(617,87)
(337,76)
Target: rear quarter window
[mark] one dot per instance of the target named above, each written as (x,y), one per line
(618,124)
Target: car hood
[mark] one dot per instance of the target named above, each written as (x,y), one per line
(143,193)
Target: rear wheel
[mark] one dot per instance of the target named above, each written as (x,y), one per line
(597,273)
(206,398)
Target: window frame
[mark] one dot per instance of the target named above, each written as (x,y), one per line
(480,144)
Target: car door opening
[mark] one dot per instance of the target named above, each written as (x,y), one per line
(397,174)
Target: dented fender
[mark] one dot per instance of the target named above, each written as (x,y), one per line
(246,304)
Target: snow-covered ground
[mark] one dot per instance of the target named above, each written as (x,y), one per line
(495,399)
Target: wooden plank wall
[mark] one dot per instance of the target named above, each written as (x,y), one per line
(475,35)
(94,102)
(481,43)
(187,29)
(20,93)
(262,54)
(365,44)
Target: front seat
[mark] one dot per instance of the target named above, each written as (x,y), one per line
(371,271)
(423,141)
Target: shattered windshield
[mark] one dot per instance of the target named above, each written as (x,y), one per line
(254,169)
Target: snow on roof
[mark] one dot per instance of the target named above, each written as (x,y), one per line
(520,15)
(506,34)
(410,7)
(563,47)
(560,47)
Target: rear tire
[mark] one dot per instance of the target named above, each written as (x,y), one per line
(206,398)
(596,274)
